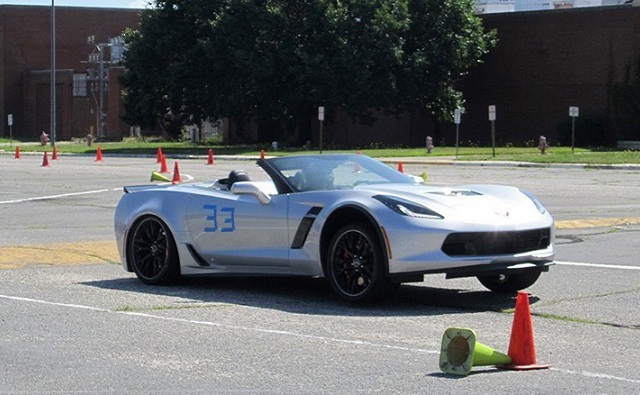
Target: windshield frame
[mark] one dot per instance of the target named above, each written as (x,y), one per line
(281,170)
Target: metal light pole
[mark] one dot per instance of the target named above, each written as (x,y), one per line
(52,126)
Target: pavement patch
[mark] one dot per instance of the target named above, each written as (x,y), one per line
(596,222)
(62,254)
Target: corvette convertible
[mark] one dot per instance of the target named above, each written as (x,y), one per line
(353,220)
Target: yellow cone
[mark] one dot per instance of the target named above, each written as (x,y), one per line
(155,176)
(460,352)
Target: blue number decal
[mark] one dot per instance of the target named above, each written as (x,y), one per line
(212,217)
(228,215)
(230,219)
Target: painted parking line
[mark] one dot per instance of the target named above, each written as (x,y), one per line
(64,195)
(598,265)
(292,334)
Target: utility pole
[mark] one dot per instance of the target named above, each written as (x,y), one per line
(52,117)
(98,74)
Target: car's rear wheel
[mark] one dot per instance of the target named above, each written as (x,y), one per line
(152,252)
(509,283)
(355,264)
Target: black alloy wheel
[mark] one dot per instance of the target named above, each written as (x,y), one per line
(152,252)
(355,264)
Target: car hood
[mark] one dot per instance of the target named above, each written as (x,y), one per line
(473,204)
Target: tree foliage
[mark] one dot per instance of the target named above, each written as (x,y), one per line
(625,97)
(276,61)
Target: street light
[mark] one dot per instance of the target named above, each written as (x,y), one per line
(52,125)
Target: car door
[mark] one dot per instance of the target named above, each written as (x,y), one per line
(239,233)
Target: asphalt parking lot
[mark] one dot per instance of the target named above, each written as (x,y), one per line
(73,321)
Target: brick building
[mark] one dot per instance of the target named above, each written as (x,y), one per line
(544,62)
(25,70)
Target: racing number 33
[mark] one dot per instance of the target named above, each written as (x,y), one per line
(224,215)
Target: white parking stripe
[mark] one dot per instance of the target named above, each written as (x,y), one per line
(51,197)
(185,177)
(216,324)
(598,265)
(294,334)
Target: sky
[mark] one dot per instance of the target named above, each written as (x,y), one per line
(81,3)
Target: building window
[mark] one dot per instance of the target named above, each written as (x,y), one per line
(79,85)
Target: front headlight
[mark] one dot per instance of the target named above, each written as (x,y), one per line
(405,207)
(535,201)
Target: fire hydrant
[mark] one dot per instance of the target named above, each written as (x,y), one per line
(543,145)
(429,144)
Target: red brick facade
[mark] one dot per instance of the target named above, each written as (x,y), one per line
(25,64)
(546,61)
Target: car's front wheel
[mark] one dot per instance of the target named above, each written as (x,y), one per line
(509,283)
(355,264)
(152,252)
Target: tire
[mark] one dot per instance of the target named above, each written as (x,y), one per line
(509,283)
(355,265)
(152,252)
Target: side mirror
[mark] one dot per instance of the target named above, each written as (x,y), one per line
(249,188)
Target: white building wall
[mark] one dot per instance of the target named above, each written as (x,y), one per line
(494,6)
(491,6)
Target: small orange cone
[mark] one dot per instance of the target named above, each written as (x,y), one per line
(159,155)
(521,347)
(99,155)
(262,154)
(54,155)
(176,174)
(163,165)
(210,160)
(17,155)
(400,169)
(45,160)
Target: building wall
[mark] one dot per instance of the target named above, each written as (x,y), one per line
(25,46)
(544,62)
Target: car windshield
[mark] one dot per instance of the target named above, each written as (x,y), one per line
(328,172)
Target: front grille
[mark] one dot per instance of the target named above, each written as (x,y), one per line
(496,243)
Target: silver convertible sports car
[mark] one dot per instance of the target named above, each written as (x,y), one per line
(351,219)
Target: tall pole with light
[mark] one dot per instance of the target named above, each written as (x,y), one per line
(52,126)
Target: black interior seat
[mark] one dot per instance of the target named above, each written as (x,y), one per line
(235,176)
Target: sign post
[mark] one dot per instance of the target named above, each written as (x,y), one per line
(321,119)
(492,118)
(457,114)
(574,112)
(10,123)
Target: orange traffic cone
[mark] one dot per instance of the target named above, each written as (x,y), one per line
(54,155)
(17,155)
(159,155)
(210,160)
(521,347)
(400,169)
(262,154)
(176,174)
(163,165)
(99,155)
(45,160)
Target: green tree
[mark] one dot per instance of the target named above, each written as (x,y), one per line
(275,61)
(625,98)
